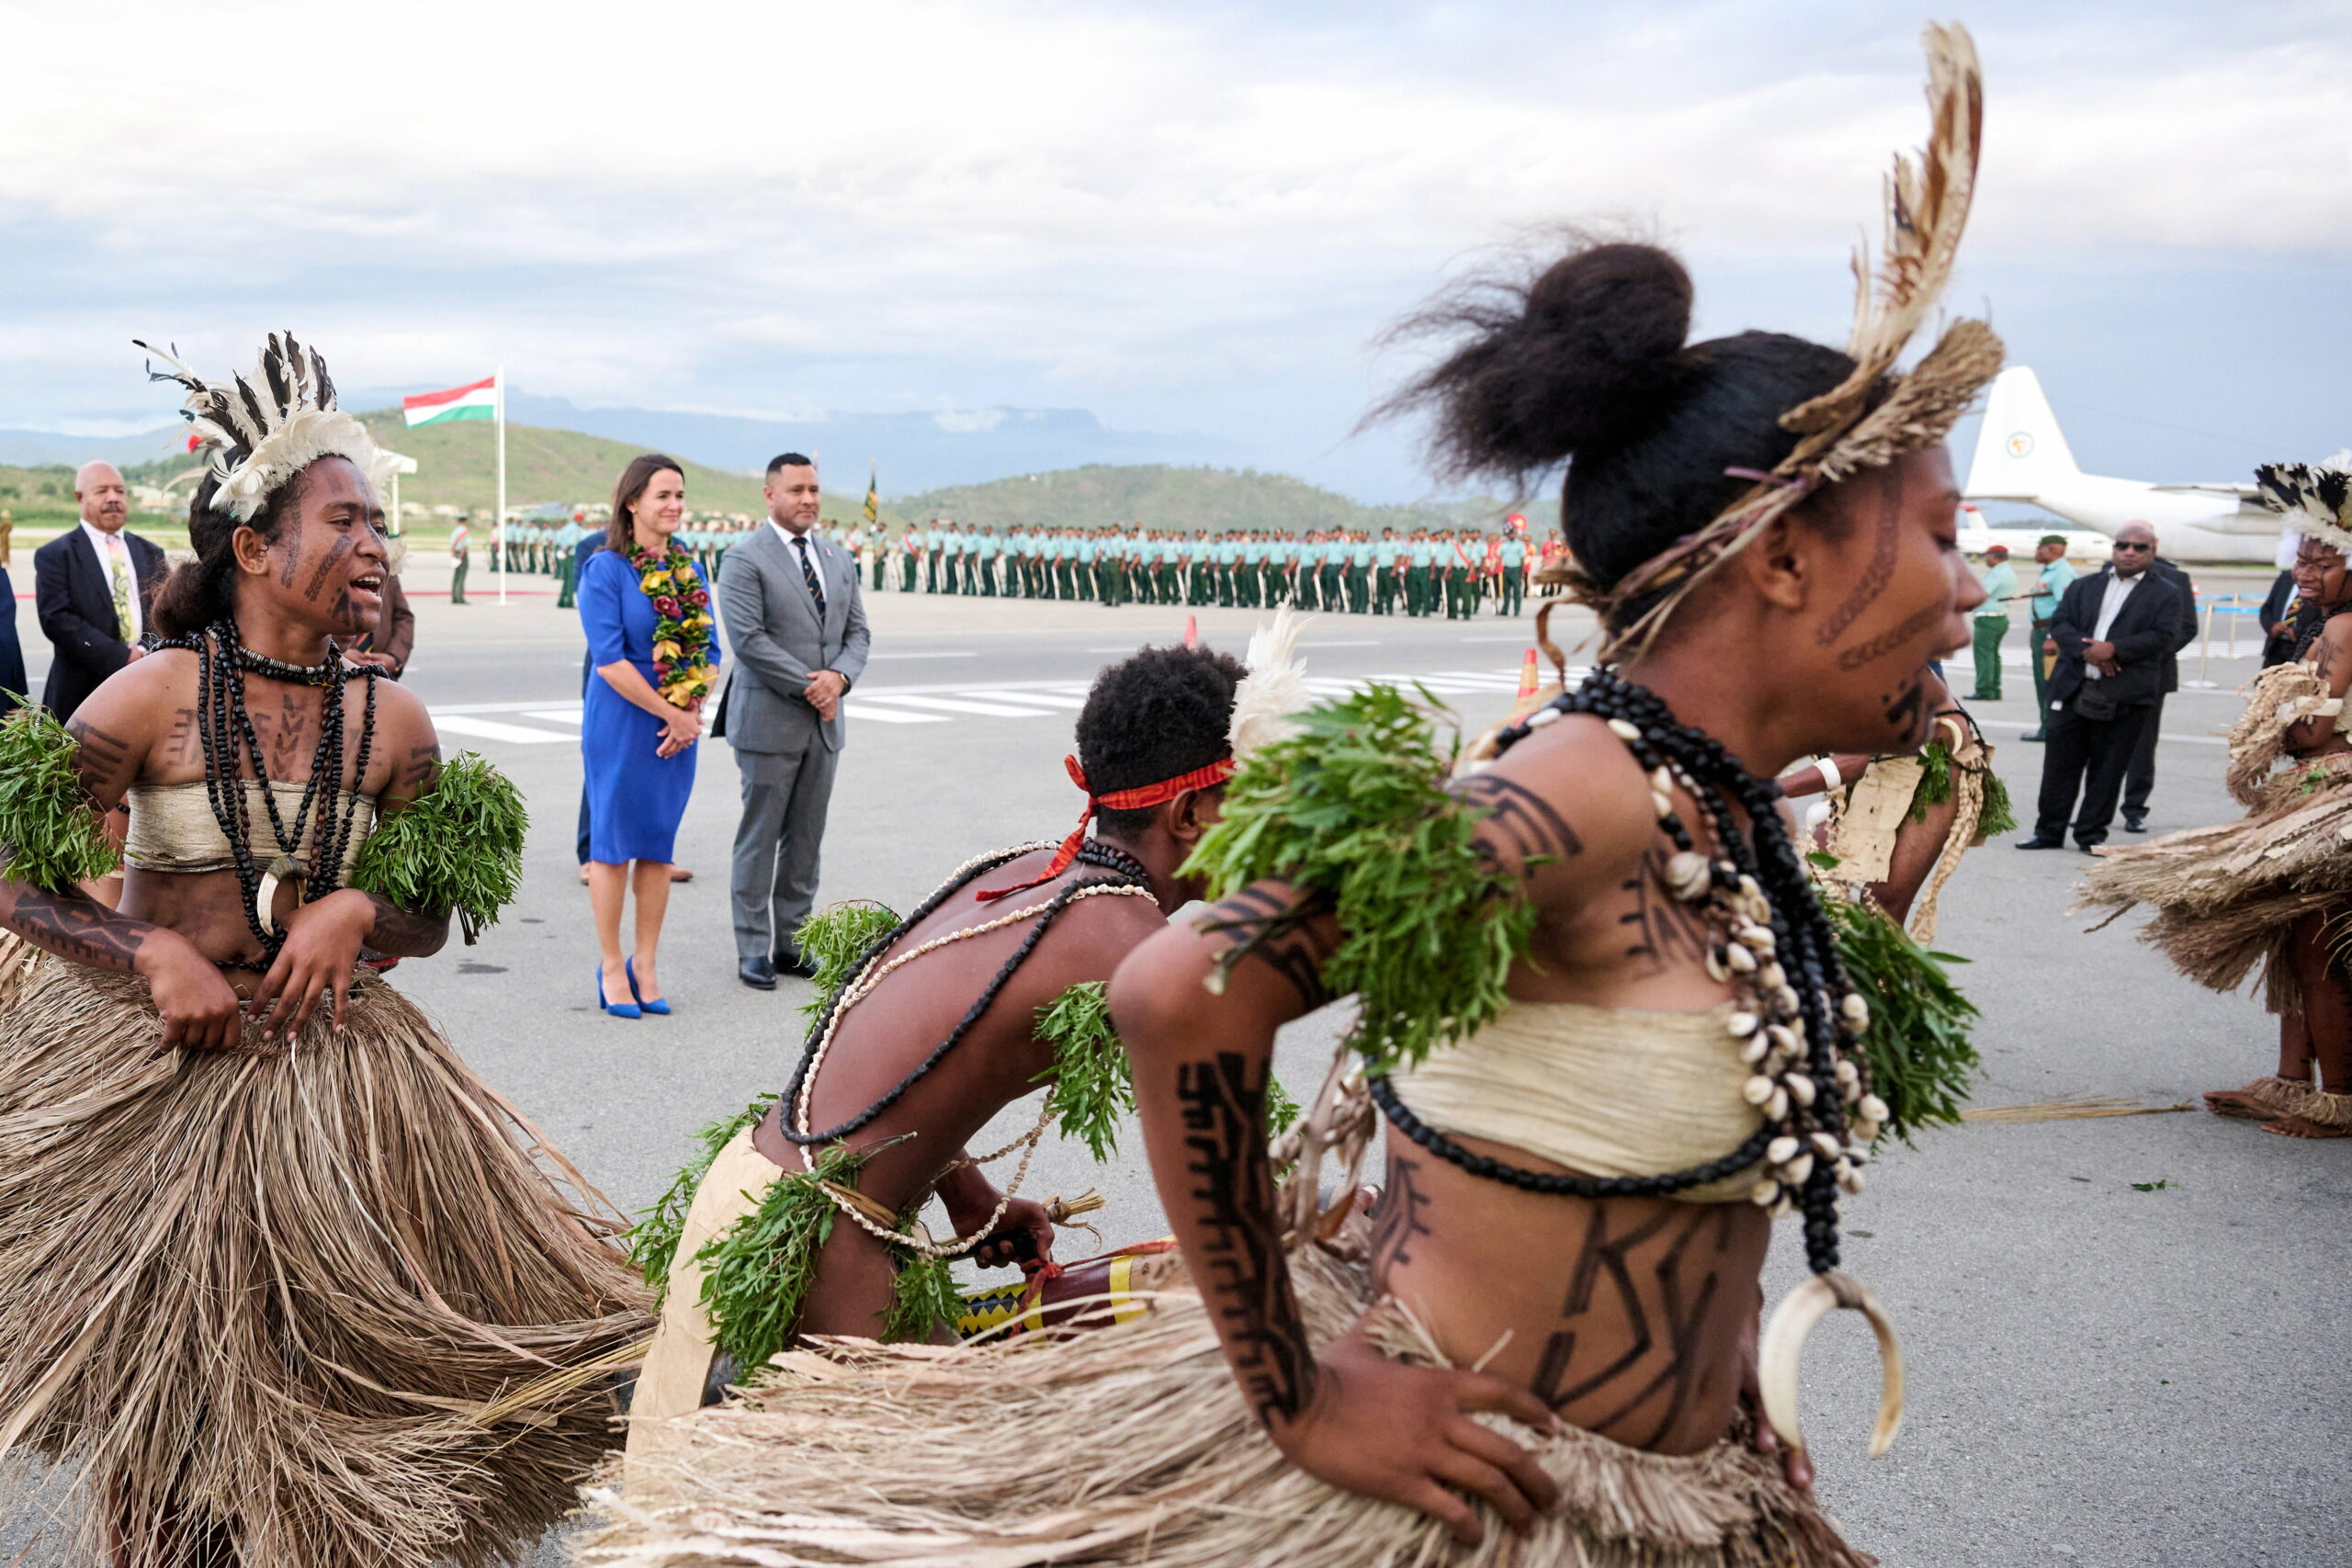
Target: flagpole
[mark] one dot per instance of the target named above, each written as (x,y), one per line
(499,518)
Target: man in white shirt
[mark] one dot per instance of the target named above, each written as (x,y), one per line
(2113,632)
(91,589)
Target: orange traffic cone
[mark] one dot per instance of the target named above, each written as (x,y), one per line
(1193,633)
(1527,676)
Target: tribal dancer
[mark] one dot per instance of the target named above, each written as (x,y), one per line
(1596,1001)
(280,1279)
(932,1025)
(2274,889)
(1898,824)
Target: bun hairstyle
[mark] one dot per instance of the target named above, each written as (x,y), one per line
(202,592)
(1588,362)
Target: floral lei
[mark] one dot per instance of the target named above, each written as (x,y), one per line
(682,623)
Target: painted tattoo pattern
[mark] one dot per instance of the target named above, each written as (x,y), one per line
(1244,1278)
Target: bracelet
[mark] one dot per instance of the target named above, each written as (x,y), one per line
(1831,779)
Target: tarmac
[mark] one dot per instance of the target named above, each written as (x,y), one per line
(2124,1336)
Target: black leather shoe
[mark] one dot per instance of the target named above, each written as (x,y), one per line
(2036,737)
(756,973)
(2042,843)
(2135,821)
(791,961)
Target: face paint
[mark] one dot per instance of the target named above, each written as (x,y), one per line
(1879,646)
(326,569)
(1886,546)
(1906,711)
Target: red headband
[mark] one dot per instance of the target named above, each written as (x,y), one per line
(1141,798)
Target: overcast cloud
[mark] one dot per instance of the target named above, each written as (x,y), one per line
(1183,217)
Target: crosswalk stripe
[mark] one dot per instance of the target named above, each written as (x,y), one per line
(957,705)
(490,730)
(1043,699)
(865,708)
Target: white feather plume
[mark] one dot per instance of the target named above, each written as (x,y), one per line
(257,431)
(1275,687)
(2315,498)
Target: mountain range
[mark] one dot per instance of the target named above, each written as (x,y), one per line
(917,452)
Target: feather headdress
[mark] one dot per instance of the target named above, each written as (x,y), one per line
(1275,687)
(1852,427)
(261,429)
(2315,498)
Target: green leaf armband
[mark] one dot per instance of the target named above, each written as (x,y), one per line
(833,941)
(459,847)
(1092,1086)
(1354,812)
(51,835)
(1922,1061)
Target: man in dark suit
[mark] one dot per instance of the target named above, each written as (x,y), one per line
(13,684)
(2139,778)
(797,639)
(90,587)
(2113,632)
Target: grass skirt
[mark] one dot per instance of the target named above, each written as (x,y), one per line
(305,1306)
(1131,1444)
(2226,896)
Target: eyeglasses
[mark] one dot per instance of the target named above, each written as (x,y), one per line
(2128,544)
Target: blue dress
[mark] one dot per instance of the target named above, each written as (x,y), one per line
(635,798)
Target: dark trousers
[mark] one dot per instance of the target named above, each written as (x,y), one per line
(2139,779)
(2089,757)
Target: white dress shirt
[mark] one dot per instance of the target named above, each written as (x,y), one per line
(2110,604)
(110,548)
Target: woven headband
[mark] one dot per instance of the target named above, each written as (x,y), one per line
(1875,414)
(1142,797)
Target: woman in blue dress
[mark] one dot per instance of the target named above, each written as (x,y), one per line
(646,608)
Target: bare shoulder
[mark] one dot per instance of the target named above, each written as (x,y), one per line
(2332,654)
(1570,791)
(1094,934)
(401,711)
(139,698)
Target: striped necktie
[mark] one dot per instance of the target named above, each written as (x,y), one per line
(808,572)
(119,569)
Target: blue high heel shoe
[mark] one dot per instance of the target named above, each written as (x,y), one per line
(659,1006)
(618,1010)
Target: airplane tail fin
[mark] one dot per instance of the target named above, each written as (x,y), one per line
(2019,449)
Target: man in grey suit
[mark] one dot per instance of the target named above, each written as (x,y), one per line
(796,632)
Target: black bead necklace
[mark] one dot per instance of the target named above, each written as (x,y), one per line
(226,734)
(1781,946)
(1127,870)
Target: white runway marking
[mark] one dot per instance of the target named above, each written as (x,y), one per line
(859,709)
(521,723)
(960,705)
(492,729)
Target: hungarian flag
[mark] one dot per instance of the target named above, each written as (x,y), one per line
(478,400)
(872,498)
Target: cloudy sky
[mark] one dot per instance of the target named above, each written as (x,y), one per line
(1186,216)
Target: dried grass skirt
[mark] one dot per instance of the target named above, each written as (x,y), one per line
(297,1306)
(2226,897)
(1130,1444)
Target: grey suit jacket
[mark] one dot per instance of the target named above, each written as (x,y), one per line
(775,641)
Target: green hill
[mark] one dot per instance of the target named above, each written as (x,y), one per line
(453,468)
(1189,499)
(563,466)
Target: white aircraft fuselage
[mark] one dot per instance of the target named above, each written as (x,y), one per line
(2022,456)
